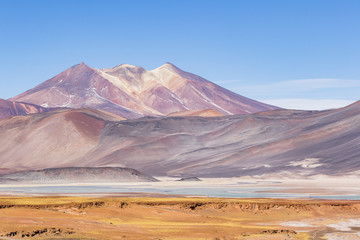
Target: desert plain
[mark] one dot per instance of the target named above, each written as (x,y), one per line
(302,212)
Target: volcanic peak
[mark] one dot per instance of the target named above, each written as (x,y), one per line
(132,91)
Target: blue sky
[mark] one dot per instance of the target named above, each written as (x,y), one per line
(296,54)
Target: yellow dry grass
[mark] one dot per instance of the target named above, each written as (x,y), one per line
(166,218)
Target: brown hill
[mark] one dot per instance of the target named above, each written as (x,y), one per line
(131,92)
(60,137)
(275,142)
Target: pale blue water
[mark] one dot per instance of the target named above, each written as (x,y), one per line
(226,192)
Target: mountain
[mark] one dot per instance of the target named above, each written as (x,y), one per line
(10,108)
(78,175)
(274,142)
(132,92)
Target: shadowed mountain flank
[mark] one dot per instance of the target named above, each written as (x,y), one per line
(77,175)
(274,142)
(132,92)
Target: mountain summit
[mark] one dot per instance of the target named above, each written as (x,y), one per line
(132,91)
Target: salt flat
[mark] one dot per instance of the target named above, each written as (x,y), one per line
(248,187)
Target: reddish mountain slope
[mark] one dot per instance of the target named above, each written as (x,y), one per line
(10,108)
(200,113)
(59,137)
(198,93)
(274,142)
(132,92)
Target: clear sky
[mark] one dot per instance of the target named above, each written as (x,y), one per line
(297,54)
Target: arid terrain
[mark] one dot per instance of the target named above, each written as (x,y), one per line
(177,218)
(179,120)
